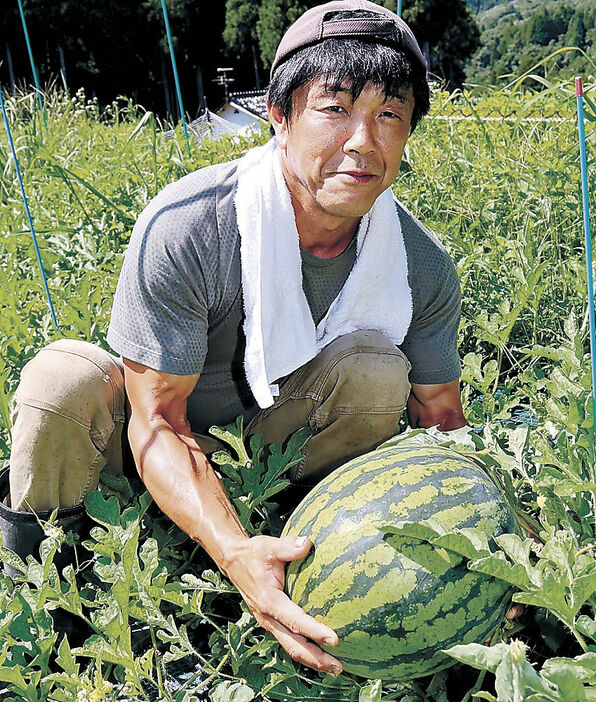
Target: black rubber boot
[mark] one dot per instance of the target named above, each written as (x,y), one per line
(22,531)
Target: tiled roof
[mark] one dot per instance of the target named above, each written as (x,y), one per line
(250,100)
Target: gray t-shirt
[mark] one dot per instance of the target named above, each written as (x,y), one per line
(178,304)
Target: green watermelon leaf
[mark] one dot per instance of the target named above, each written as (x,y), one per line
(65,659)
(106,512)
(582,588)
(497,566)
(465,543)
(412,530)
(13,675)
(231,692)
(583,666)
(97,647)
(460,543)
(371,692)
(515,677)
(587,626)
(479,656)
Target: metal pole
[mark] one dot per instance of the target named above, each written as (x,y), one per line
(579,94)
(26,203)
(399,8)
(32,62)
(178,91)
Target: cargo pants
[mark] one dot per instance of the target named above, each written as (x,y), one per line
(69,415)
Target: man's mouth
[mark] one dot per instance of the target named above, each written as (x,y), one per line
(357,176)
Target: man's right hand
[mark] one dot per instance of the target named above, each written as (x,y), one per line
(180,479)
(257,569)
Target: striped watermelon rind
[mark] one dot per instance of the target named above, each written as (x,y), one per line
(395,608)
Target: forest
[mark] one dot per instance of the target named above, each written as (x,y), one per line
(120,49)
(515,36)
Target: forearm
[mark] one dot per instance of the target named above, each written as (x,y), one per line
(180,479)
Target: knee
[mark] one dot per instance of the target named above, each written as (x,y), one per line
(75,379)
(365,374)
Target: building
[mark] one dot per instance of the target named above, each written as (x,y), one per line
(245,112)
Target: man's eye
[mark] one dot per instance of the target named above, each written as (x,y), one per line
(391,115)
(335,109)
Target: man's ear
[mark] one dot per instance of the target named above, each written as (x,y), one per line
(279,124)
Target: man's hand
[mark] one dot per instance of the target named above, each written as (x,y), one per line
(436,405)
(180,479)
(257,570)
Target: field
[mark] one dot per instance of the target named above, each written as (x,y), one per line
(496,177)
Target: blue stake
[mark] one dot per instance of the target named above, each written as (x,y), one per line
(399,8)
(24,196)
(178,91)
(579,93)
(35,77)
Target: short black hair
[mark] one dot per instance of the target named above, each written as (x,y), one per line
(354,62)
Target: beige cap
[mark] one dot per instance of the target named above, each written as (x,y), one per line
(315,26)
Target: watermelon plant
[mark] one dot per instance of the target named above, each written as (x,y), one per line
(494,174)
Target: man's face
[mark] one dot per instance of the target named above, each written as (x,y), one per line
(338,154)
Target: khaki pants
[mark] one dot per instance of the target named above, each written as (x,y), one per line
(69,415)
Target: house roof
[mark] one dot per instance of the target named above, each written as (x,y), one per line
(252,101)
(208,126)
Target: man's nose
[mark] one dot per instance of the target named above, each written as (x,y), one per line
(361,138)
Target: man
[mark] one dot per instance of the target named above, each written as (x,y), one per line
(289,287)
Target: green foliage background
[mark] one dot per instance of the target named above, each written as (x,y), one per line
(114,49)
(516,36)
(496,176)
(445,28)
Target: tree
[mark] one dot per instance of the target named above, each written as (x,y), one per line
(275,16)
(448,33)
(240,33)
(446,26)
(576,31)
(516,41)
(113,48)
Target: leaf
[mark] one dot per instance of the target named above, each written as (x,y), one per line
(231,692)
(565,679)
(106,512)
(13,675)
(372,692)
(12,560)
(587,626)
(97,647)
(499,567)
(583,667)
(479,656)
(65,658)
(119,483)
(582,588)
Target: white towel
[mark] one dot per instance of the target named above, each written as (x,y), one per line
(279,329)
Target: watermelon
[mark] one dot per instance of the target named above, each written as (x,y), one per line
(396,604)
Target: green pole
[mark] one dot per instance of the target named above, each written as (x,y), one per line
(35,76)
(178,91)
(579,94)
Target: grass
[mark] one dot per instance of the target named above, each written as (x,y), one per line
(503,196)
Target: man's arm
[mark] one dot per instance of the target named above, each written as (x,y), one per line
(439,404)
(182,482)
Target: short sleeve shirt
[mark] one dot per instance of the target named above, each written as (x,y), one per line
(178,303)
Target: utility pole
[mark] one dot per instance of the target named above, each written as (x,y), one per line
(224,79)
